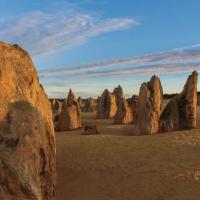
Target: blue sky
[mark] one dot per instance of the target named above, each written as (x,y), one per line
(90,45)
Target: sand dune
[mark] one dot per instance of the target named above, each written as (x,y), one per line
(116,165)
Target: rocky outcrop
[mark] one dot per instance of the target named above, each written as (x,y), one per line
(70,116)
(90,105)
(180,113)
(149,106)
(124,113)
(106,107)
(27,140)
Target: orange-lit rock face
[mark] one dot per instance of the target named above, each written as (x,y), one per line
(27,140)
(149,106)
(181,111)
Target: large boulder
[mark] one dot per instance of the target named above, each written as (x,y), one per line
(106,107)
(180,113)
(90,105)
(70,116)
(124,113)
(149,106)
(27,140)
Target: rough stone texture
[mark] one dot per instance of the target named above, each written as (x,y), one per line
(106,107)
(118,92)
(90,105)
(70,116)
(124,113)
(181,111)
(149,106)
(27,140)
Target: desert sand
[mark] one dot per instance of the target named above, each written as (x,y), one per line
(116,165)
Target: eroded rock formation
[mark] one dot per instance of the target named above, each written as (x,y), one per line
(180,112)
(106,107)
(27,140)
(149,106)
(70,116)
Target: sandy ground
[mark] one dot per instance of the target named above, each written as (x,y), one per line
(116,165)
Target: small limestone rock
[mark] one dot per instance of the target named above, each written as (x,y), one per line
(90,130)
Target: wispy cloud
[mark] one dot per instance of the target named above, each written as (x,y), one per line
(41,32)
(122,71)
(161,62)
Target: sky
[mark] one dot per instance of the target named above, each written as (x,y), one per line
(90,45)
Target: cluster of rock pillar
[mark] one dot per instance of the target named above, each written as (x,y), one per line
(114,105)
(180,113)
(147,111)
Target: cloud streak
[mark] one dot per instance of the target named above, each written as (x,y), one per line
(42,33)
(180,60)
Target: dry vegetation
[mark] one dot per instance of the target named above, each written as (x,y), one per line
(116,165)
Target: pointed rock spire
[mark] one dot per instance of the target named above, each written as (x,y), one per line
(70,116)
(149,106)
(106,107)
(181,111)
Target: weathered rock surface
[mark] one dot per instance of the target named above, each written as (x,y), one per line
(149,106)
(70,116)
(106,107)
(124,113)
(27,140)
(90,105)
(181,111)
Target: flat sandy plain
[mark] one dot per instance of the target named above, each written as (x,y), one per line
(116,165)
